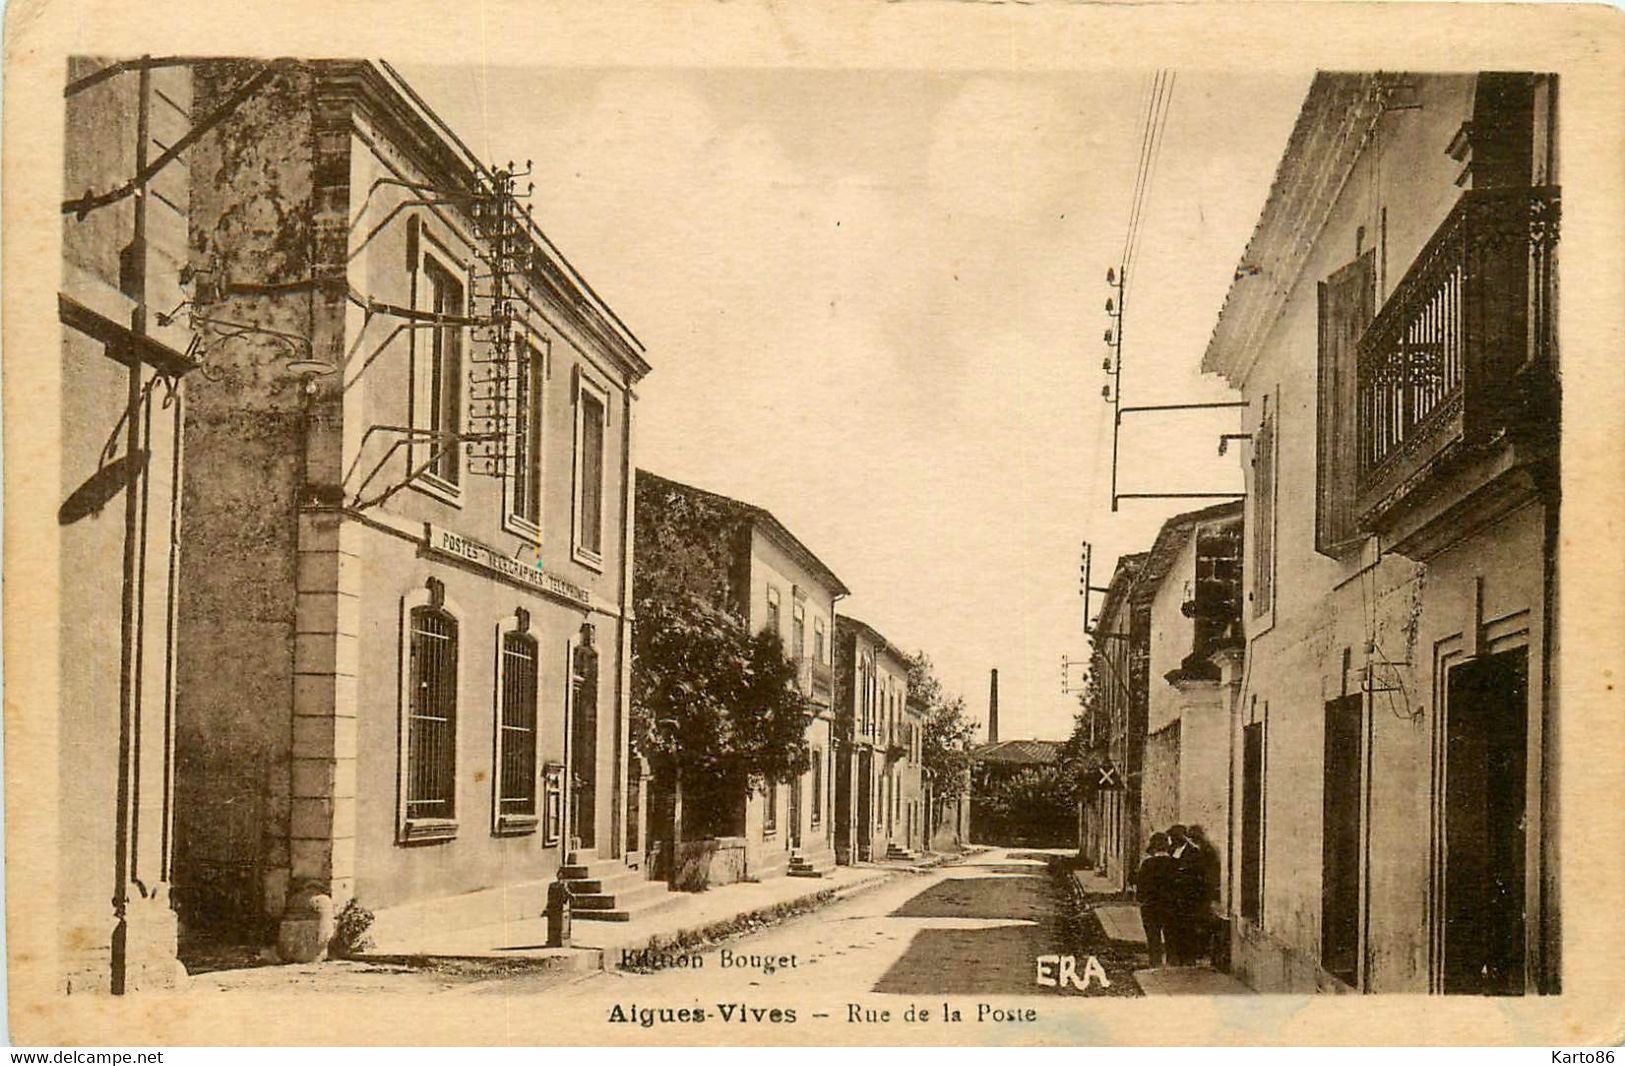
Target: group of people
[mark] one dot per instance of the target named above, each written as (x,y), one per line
(1176,886)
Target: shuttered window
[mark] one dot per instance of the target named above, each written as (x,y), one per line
(431,749)
(1347,304)
(1263,590)
(527,423)
(445,372)
(592,467)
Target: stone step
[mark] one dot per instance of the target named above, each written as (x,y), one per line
(597,869)
(605,881)
(626,912)
(617,883)
(625,899)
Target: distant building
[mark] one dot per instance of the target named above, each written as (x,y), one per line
(1191,582)
(880,794)
(1110,831)
(771,581)
(1392,327)
(994,765)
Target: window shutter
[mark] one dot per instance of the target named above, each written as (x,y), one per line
(1347,305)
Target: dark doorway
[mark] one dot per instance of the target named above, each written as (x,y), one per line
(795,811)
(1340,841)
(1486,725)
(584,744)
(866,817)
(1252,821)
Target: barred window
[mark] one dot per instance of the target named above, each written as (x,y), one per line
(516,731)
(431,748)
(770,808)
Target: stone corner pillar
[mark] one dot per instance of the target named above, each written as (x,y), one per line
(322,807)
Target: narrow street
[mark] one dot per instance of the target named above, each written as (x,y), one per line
(975,928)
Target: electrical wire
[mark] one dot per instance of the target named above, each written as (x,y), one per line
(1153,129)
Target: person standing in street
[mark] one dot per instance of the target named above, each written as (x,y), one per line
(1185,920)
(1206,860)
(1154,883)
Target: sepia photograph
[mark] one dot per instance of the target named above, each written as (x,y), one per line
(822,552)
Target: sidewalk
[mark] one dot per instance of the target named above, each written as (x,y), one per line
(1094,884)
(1189,981)
(1121,921)
(594,945)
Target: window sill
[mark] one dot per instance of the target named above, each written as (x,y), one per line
(522,527)
(592,560)
(427,830)
(440,489)
(512,825)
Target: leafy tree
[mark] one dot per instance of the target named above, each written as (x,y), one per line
(715,704)
(1075,752)
(712,703)
(1036,803)
(948,735)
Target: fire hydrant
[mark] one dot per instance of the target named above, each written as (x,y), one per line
(558,915)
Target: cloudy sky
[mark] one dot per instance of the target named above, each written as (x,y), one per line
(874,305)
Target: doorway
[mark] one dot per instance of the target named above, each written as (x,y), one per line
(1341,797)
(795,812)
(1486,758)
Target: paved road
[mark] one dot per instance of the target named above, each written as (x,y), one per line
(973,929)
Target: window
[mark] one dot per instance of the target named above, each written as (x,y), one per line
(444,372)
(1263,489)
(820,651)
(430,763)
(817,788)
(1252,822)
(798,631)
(772,625)
(525,489)
(516,734)
(1347,304)
(770,808)
(592,413)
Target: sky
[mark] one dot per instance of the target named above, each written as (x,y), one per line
(874,305)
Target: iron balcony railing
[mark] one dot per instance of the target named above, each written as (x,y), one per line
(1475,311)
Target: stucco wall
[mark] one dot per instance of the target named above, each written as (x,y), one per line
(389,874)
(308,533)
(252,187)
(1324,609)
(1160,784)
(771,565)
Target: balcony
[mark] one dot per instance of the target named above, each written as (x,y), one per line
(1456,375)
(815,680)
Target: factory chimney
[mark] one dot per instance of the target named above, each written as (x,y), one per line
(993,708)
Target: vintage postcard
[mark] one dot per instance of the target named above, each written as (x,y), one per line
(915,523)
